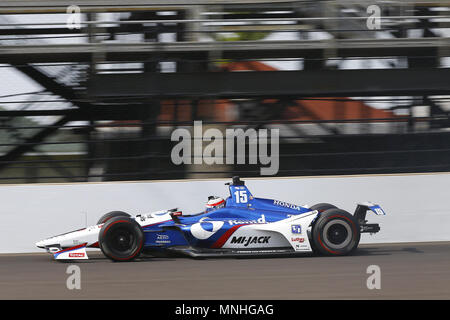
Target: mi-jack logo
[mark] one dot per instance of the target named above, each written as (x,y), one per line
(250,240)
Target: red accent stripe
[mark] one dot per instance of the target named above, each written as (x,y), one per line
(125,221)
(94,245)
(72,248)
(323,246)
(221,241)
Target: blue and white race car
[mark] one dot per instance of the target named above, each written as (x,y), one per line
(241,225)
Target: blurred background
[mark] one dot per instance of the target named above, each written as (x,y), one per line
(92,92)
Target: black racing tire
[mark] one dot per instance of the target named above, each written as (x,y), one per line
(335,233)
(121,239)
(112,214)
(322,207)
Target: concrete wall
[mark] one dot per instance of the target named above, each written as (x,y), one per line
(416,205)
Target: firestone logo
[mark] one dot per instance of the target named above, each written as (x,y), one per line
(76,255)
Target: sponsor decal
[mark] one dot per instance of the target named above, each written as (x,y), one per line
(203,230)
(250,240)
(162,238)
(296,228)
(298,239)
(76,255)
(286,205)
(262,219)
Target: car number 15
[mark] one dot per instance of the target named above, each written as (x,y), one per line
(241,196)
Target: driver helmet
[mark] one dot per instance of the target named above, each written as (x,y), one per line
(214,203)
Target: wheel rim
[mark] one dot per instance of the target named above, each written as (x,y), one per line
(122,240)
(337,234)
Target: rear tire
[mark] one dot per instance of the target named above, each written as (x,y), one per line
(322,207)
(121,239)
(112,214)
(336,232)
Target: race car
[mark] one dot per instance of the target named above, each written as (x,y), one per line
(240,225)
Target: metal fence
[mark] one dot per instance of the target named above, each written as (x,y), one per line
(115,88)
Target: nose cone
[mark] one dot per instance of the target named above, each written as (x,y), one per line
(43,244)
(40,244)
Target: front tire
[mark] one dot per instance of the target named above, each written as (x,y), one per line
(336,232)
(121,239)
(111,215)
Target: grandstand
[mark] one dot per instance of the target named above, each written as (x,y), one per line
(99,101)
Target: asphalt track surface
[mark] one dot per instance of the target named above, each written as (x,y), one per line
(408,271)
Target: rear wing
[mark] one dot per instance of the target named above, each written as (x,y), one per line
(360,215)
(366,206)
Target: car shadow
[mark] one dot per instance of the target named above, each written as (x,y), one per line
(360,252)
(385,251)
